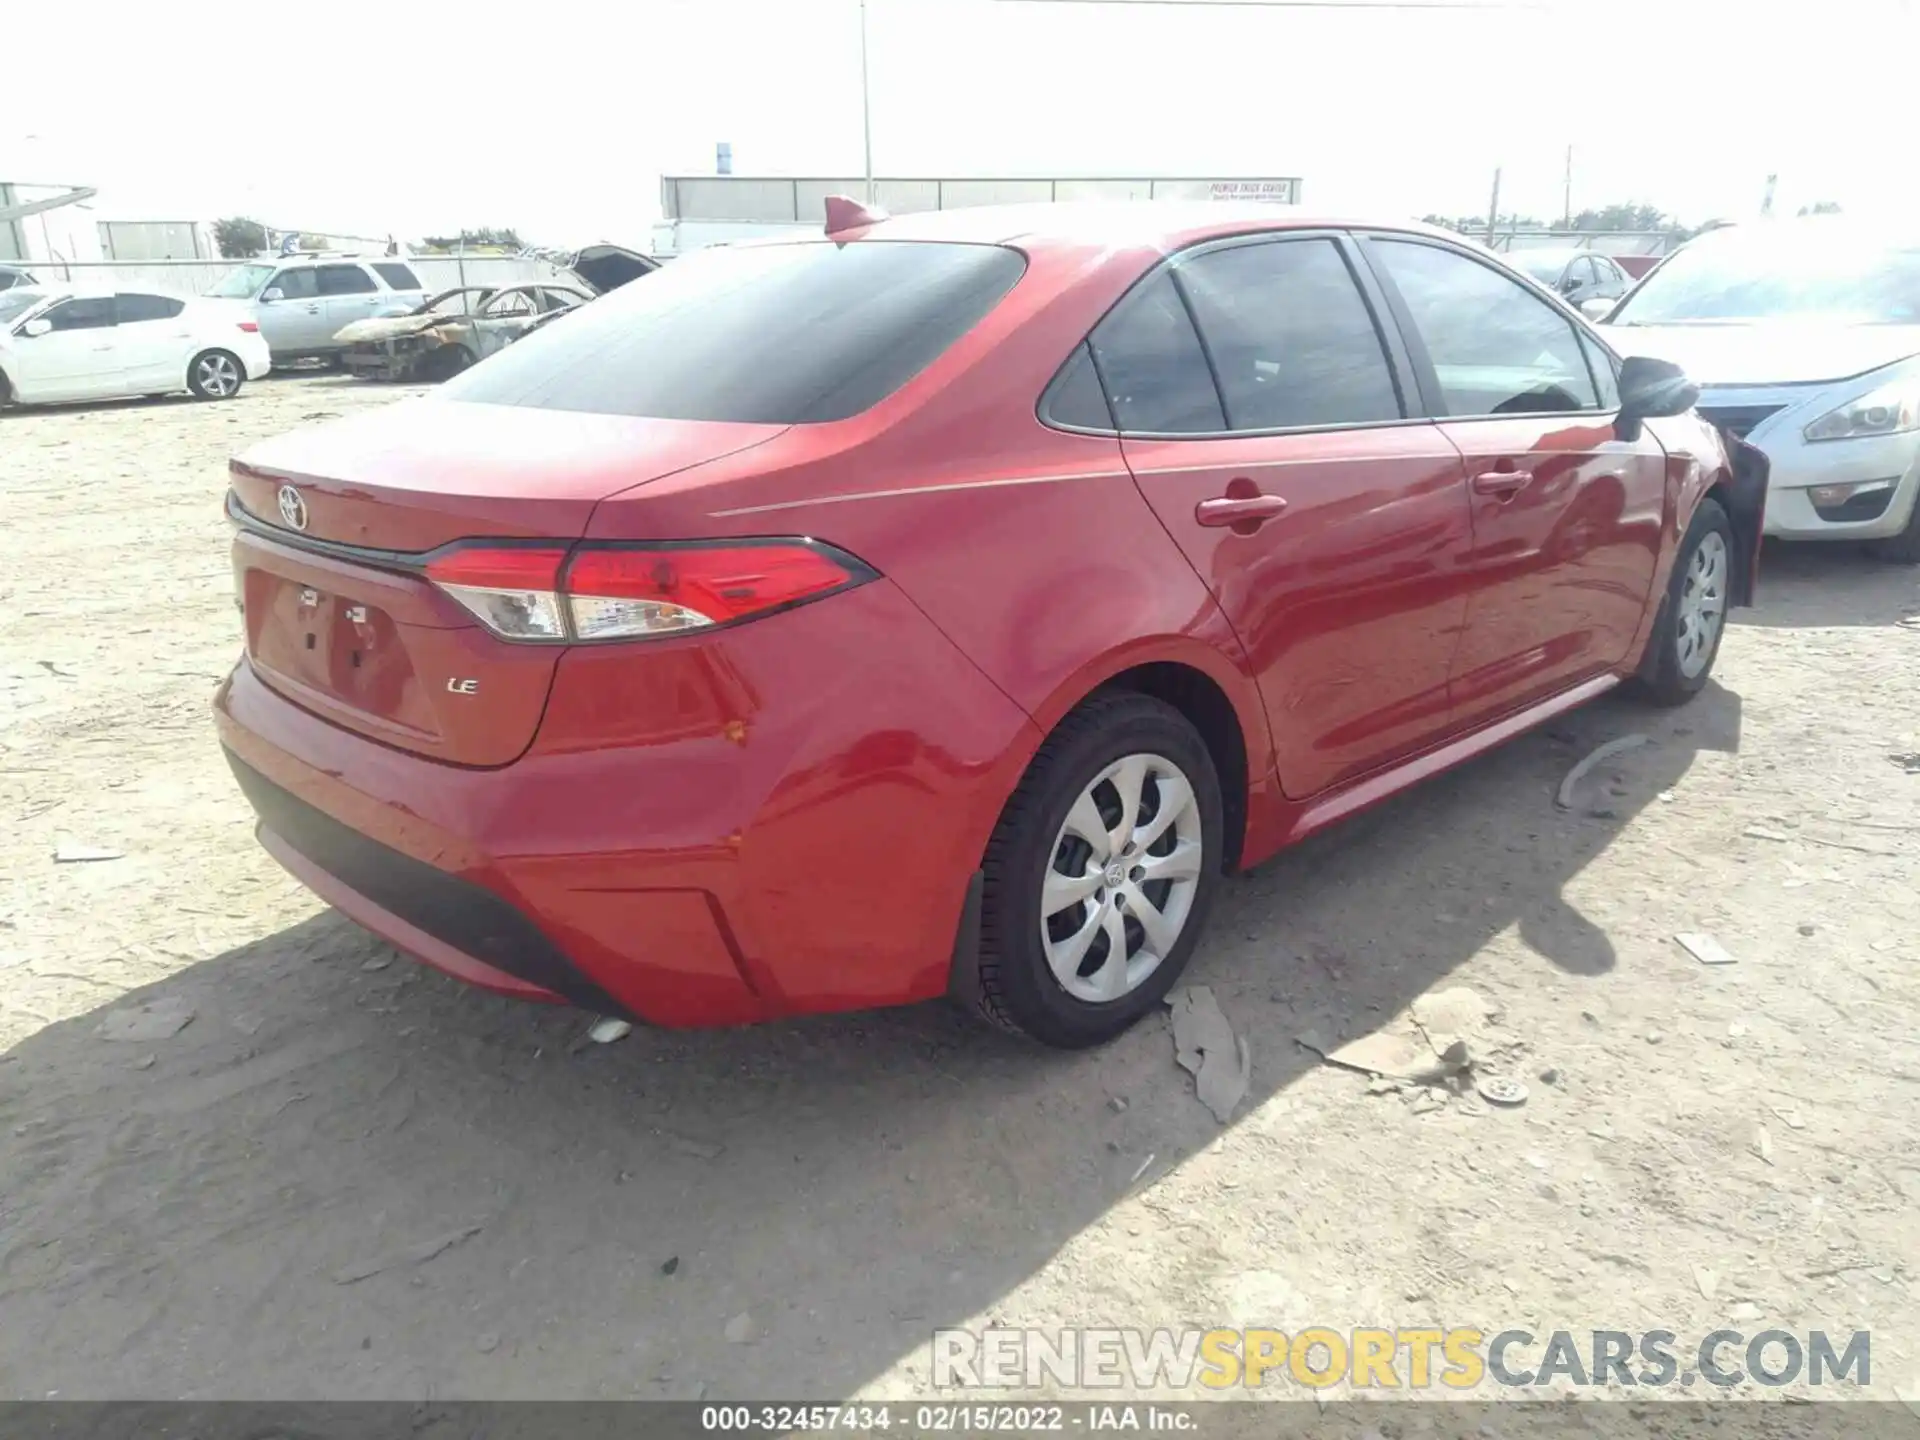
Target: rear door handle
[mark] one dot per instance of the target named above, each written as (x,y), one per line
(1251,511)
(1501,482)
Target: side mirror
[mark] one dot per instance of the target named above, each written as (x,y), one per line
(1650,389)
(271,294)
(36,327)
(1597,307)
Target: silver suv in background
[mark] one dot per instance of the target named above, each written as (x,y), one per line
(300,302)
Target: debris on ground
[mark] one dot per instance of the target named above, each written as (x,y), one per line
(1761,832)
(487,1343)
(1789,1118)
(1704,948)
(1705,1279)
(1564,799)
(1908,762)
(69,853)
(1117,1103)
(1763,1143)
(698,1149)
(378,962)
(669,1265)
(1205,1046)
(1496,1091)
(1434,1039)
(416,1254)
(150,1020)
(740,1329)
(607,1030)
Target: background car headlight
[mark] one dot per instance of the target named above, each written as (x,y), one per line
(1893,409)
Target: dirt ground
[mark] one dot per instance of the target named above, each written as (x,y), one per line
(348,1176)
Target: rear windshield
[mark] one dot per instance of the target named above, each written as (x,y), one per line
(765,334)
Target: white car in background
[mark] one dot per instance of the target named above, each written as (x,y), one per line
(1804,337)
(60,344)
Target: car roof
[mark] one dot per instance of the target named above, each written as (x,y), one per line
(1164,225)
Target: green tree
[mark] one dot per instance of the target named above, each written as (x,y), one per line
(239,237)
(504,236)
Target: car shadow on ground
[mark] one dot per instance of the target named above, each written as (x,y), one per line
(1829,584)
(349,1169)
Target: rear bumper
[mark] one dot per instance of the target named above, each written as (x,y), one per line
(774,820)
(459,927)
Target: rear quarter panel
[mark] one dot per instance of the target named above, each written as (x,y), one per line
(1030,548)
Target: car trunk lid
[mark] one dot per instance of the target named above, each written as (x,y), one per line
(333,526)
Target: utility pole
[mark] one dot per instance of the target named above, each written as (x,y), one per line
(866,102)
(1493,208)
(1566,194)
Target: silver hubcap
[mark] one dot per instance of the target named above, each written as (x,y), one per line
(218,375)
(1121,883)
(1703,604)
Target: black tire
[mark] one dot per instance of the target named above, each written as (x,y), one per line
(1019,991)
(447,362)
(1661,680)
(202,386)
(1904,548)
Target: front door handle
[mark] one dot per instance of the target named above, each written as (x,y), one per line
(1501,482)
(1245,513)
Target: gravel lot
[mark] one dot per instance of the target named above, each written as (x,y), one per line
(349,1176)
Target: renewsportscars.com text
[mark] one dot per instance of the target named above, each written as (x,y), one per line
(1457,1358)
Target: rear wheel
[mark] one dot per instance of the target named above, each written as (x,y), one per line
(1100,873)
(216,375)
(1693,617)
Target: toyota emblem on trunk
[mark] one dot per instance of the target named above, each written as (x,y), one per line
(293,509)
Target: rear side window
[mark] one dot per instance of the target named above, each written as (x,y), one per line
(1075,399)
(1497,348)
(1290,337)
(1152,365)
(768,334)
(131,309)
(345,280)
(397,275)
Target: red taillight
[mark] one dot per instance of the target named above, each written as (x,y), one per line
(631,592)
(249,327)
(510,589)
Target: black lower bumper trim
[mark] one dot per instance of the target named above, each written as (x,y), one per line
(468,917)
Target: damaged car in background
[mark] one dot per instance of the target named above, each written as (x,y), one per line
(457,327)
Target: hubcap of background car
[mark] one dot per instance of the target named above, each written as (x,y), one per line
(1703,604)
(1121,879)
(218,375)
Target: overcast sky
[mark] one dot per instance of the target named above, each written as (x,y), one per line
(352,118)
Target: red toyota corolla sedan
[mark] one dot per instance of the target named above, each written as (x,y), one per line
(942,606)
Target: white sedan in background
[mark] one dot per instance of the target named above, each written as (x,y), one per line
(58,343)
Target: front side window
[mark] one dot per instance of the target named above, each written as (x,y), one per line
(784,334)
(345,280)
(1151,363)
(1290,336)
(93,313)
(1496,347)
(296,284)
